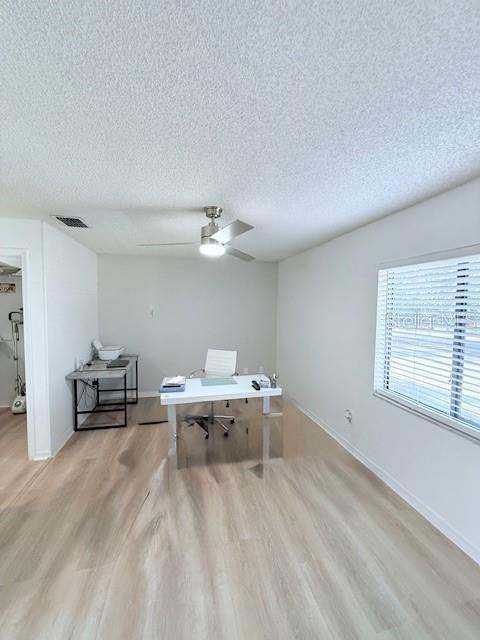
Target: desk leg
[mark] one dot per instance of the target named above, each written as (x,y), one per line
(172,424)
(125,417)
(172,460)
(136,380)
(266,405)
(265,441)
(75,405)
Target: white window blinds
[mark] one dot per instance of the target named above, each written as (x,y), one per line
(428,338)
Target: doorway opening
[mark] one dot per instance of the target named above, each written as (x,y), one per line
(13,390)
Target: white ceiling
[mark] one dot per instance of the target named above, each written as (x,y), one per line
(304,119)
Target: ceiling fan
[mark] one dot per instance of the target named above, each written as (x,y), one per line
(8,269)
(214,241)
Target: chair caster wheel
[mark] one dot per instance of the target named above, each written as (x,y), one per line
(206,437)
(225,435)
(232,421)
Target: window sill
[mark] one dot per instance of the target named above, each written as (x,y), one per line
(456,426)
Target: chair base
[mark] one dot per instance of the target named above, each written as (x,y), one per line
(204,421)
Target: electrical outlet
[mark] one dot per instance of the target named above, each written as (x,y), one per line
(348,415)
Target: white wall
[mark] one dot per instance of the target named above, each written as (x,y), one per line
(72,321)
(197,303)
(24,237)
(326,339)
(9,302)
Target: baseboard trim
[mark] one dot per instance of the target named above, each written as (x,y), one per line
(41,455)
(429,514)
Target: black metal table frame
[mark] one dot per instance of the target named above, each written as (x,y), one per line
(107,390)
(121,404)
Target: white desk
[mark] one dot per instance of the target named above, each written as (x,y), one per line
(196,392)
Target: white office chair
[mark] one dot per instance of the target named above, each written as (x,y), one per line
(219,364)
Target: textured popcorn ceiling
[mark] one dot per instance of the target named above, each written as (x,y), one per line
(305,119)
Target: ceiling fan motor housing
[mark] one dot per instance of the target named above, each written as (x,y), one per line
(213,211)
(212,227)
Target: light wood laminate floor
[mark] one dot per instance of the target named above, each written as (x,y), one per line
(111,540)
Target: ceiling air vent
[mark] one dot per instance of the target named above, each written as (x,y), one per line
(72,222)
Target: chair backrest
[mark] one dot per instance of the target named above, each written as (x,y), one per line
(220,363)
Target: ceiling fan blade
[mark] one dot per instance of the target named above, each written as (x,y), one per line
(238,254)
(8,269)
(231,231)
(165,244)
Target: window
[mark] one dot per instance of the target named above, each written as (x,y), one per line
(427,352)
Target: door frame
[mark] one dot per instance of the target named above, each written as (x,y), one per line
(28,337)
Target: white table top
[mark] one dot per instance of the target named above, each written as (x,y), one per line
(196,392)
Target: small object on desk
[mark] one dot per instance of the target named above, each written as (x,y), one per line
(110,352)
(177,389)
(255,385)
(173,384)
(117,363)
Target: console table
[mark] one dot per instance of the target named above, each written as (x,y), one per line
(90,375)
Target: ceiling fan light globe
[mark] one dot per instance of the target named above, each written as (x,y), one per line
(212,249)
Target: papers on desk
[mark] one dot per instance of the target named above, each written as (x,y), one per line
(174,381)
(172,384)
